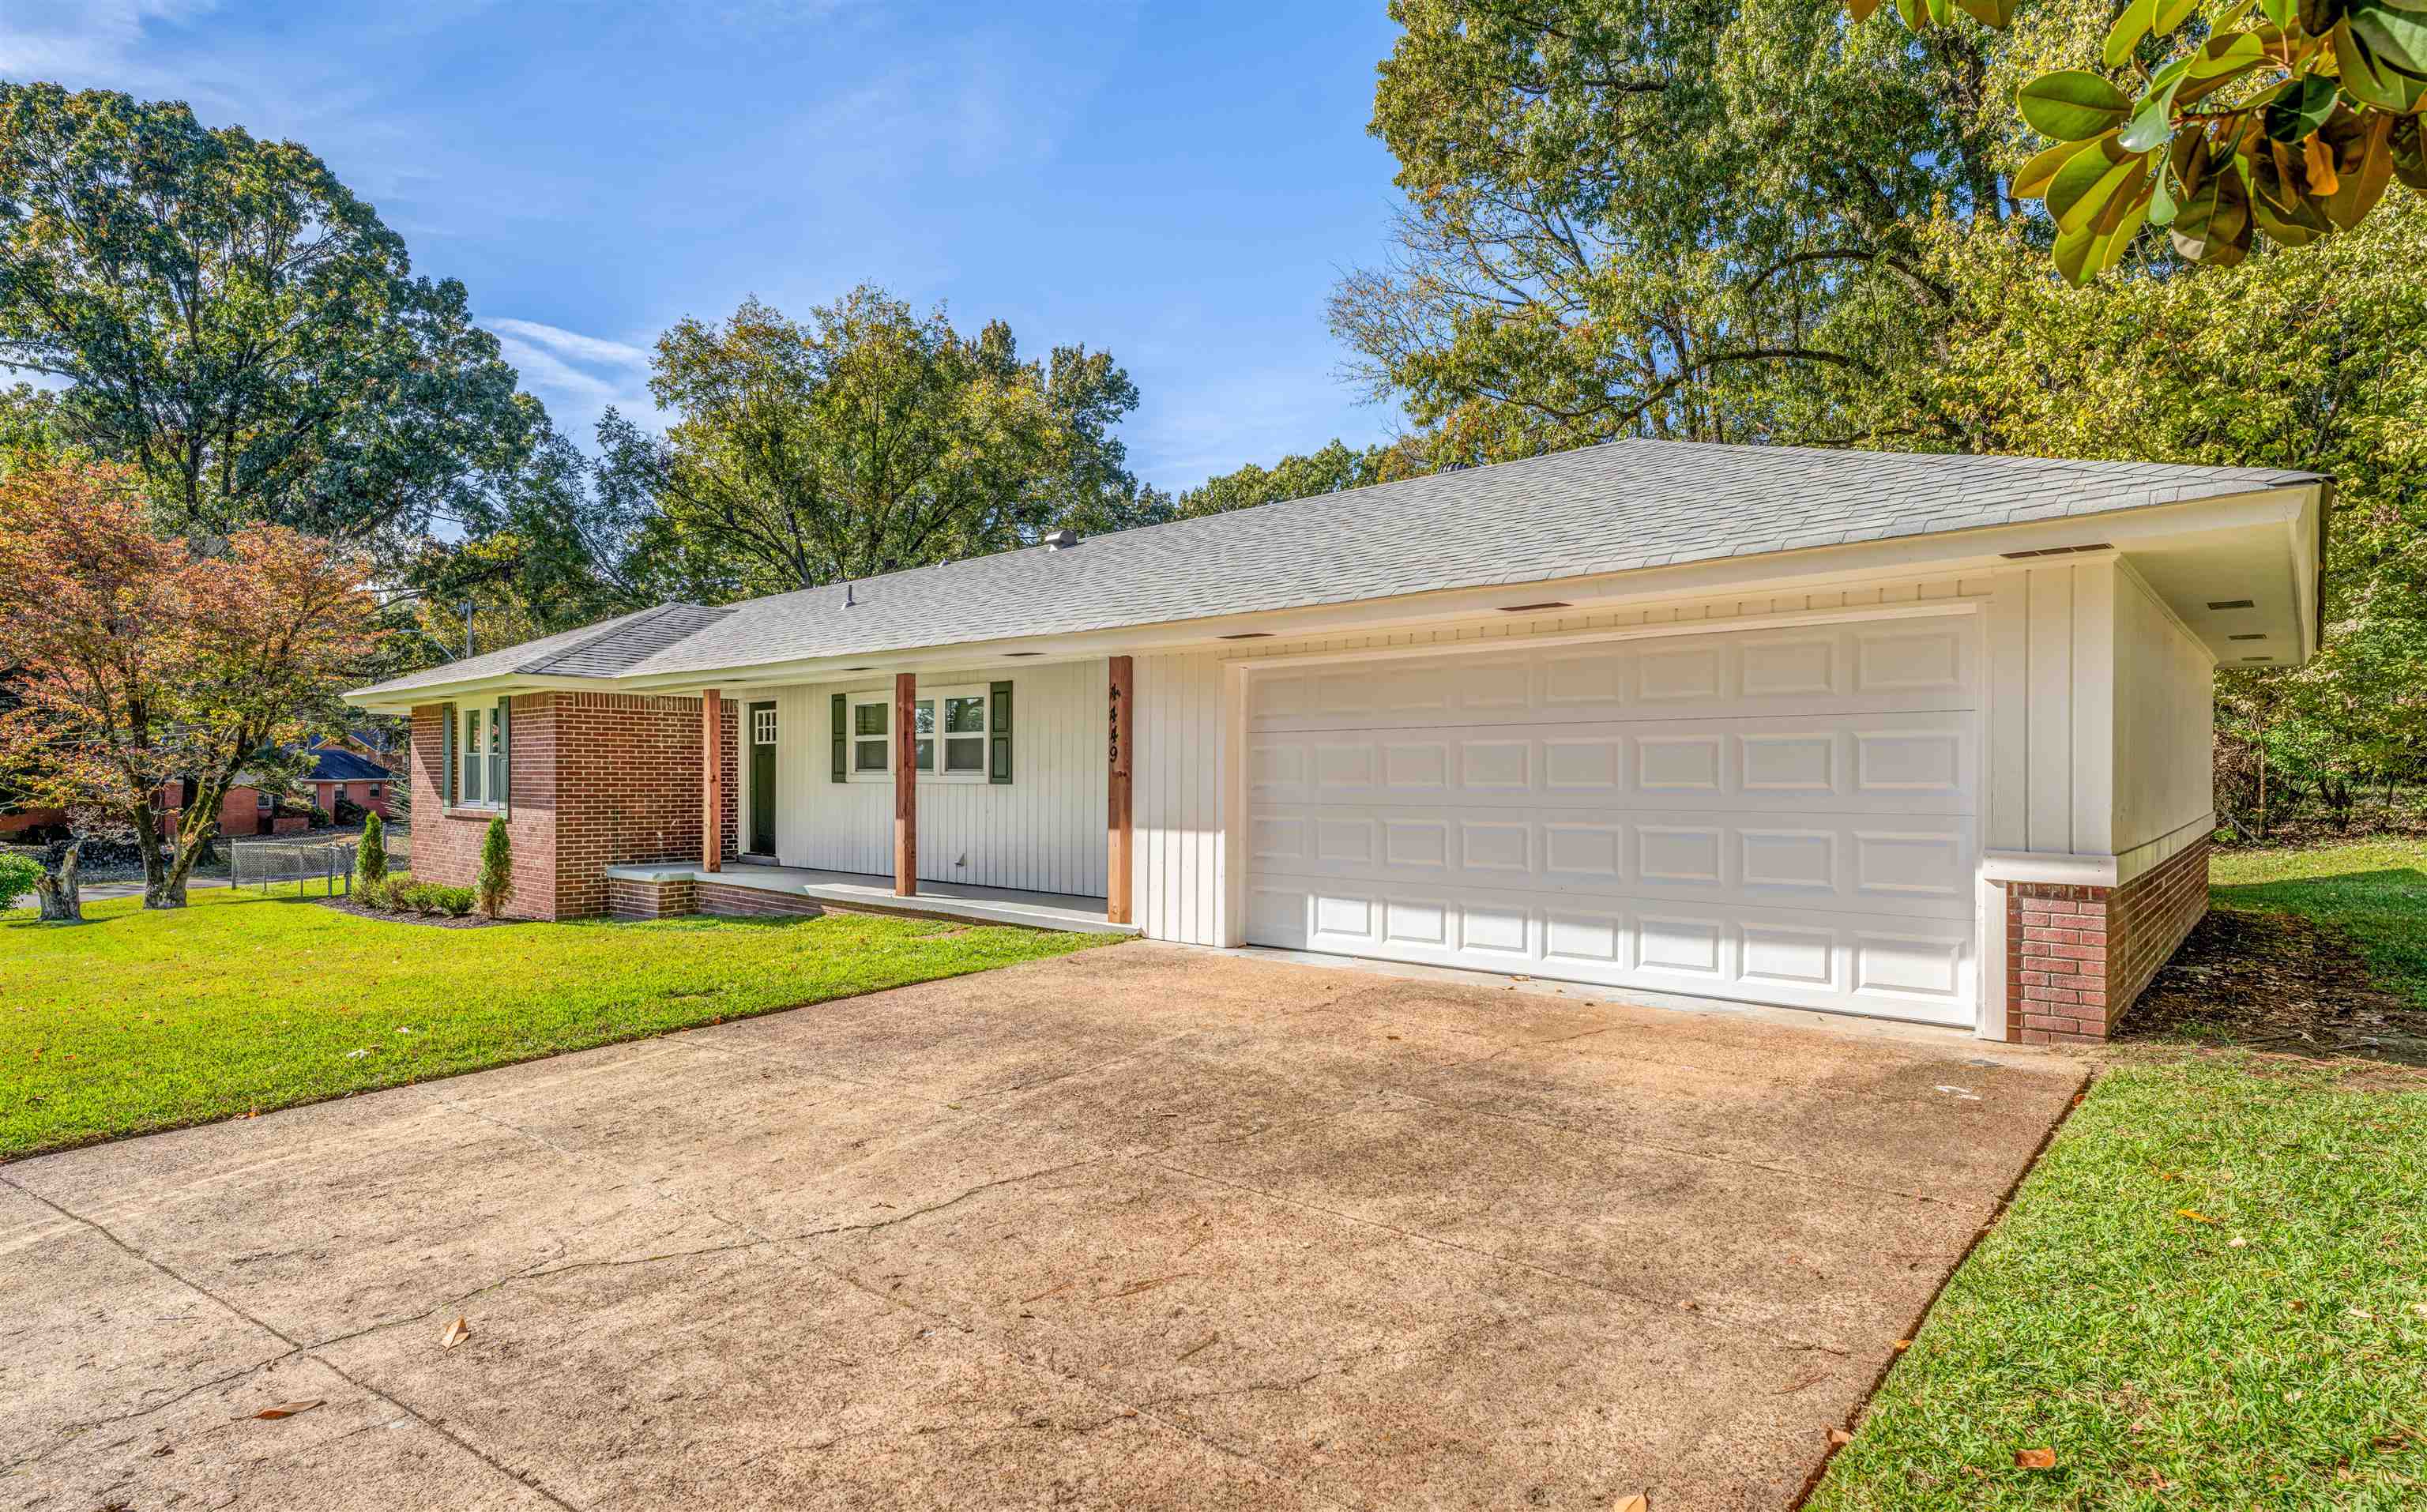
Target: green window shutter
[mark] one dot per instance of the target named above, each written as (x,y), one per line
(999,733)
(842,736)
(503,797)
(446,763)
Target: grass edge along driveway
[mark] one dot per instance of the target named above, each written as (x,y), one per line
(2210,1292)
(135,1022)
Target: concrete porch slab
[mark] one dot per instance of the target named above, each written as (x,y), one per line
(867,894)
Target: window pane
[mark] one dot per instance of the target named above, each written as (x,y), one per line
(762,724)
(924,759)
(870,719)
(922,717)
(498,733)
(497,778)
(964,716)
(965,754)
(871,756)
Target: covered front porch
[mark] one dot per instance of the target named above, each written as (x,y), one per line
(752,889)
(996,796)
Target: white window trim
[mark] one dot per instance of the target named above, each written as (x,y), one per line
(930,775)
(465,756)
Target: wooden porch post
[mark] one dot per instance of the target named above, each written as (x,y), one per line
(905,785)
(712,781)
(1117,795)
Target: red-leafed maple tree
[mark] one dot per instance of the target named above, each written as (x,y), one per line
(142,660)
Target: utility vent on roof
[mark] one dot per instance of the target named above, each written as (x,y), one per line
(2230,603)
(1061,539)
(2060,551)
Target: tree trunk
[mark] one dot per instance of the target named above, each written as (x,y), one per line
(63,902)
(146,821)
(2262,794)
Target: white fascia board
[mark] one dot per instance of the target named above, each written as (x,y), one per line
(1979,550)
(405,700)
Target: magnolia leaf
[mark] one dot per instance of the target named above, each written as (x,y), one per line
(2072,105)
(2317,17)
(2396,36)
(2043,1458)
(1637,1503)
(456,1333)
(1916,18)
(2162,201)
(1941,12)
(2083,186)
(2318,162)
(2371,79)
(2139,18)
(1995,14)
(2072,255)
(2282,12)
(2173,13)
(2405,154)
(1861,9)
(2300,107)
(2032,182)
(2154,127)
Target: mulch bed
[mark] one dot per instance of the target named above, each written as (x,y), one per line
(2278,982)
(346,905)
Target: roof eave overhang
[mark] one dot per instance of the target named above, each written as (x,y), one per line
(388,699)
(2296,509)
(1982,549)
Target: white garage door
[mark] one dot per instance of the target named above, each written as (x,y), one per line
(1781,816)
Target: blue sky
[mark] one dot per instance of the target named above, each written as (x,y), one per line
(1179,184)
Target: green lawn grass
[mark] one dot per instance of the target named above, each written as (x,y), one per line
(2376,891)
(138,1021)
(2166,1364)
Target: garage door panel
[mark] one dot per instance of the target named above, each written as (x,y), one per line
(1900,763)
(1785,816)
(1916,864)
(1877,667)
(1905,968)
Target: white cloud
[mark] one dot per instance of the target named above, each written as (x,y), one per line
(81,43)
(577,376)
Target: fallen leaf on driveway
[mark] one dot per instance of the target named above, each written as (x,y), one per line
(456,1333)
(2035,1459)
(2195,1217)
(288,1410)
(1839,1436)
(1637,1503)
(1903,1345)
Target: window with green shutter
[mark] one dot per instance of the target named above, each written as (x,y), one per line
(998,736)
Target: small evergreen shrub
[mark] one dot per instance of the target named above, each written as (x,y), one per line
(456,901)
(371,861)
(497,880)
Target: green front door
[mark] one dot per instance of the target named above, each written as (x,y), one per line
(763,779)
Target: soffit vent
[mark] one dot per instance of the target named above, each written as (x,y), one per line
(2059,551)
(2231,603)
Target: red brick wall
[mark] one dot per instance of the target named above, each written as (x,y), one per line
(2078,956)
(595,780)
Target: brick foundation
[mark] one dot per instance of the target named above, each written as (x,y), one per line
(650,900)
(2078,956)
(595,780)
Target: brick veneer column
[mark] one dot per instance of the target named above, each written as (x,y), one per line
(2078,956)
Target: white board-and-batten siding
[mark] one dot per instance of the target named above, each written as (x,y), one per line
(1043,831)
(2048,642)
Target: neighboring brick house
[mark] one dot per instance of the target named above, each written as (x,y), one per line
(250,808)
(1923,737)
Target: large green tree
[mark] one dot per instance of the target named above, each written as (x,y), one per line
(231,321)
(1651,218)
(867,439)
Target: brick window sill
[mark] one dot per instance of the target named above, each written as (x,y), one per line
(482,815)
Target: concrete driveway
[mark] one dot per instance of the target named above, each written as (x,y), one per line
(1142,1227)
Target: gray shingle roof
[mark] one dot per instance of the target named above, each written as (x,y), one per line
(1599,509)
